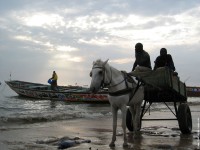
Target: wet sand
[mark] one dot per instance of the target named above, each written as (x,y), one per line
(153,134)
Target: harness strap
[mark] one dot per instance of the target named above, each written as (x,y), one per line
(136,89)
(121,92)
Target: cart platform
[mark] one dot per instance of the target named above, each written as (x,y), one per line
(162,85)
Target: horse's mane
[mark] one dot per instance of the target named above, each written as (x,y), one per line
(98,62)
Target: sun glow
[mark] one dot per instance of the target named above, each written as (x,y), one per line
(66,57)
(42,19)
(66,48)
(27,38)
(122,61)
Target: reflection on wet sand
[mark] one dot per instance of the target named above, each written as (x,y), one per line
(154,135)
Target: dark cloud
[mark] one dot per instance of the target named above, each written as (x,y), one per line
(141,7)
(9,5)
(153,7)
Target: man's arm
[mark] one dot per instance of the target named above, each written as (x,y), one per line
(171,62)
(134,65)
(147,61)
(155,64)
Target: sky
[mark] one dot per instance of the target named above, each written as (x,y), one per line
(41,36)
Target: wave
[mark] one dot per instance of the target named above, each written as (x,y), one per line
(11,108)
(36,118)
(14,110)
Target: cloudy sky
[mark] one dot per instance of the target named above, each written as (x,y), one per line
(40,36)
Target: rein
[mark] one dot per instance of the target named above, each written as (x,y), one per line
(128,90)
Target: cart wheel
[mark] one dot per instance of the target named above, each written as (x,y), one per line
(129,122)
(184,118)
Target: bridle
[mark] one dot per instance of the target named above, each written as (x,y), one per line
(103,82)
(120,92)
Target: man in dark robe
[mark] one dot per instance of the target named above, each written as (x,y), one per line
(164,60)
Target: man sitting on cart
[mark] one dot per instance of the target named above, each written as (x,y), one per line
(142,58)
(164,60)
(142,64)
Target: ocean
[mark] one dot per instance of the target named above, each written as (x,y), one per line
(15,109)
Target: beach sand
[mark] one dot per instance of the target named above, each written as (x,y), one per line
(153,134)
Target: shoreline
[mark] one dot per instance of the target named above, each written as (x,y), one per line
(153,134)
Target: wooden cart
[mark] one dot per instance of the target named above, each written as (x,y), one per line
(163,86)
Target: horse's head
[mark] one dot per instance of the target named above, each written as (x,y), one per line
(97,75)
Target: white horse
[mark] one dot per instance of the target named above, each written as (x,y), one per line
(121,94)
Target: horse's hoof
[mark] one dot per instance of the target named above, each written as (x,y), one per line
(137,134)
(112,144)
(125,145)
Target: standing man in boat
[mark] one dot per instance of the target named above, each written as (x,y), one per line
(54,79)
(142,58)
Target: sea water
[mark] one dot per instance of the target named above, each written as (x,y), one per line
(16,109)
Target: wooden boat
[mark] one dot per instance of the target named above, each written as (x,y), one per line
(64,93)
(193,91)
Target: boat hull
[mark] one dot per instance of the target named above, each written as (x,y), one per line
(193,91)
(64,93)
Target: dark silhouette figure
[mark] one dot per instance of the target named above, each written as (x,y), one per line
(164,60)
(54,79)
(142,58)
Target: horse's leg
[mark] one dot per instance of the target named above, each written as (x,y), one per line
(114,113)
(132,110)
(124,110)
